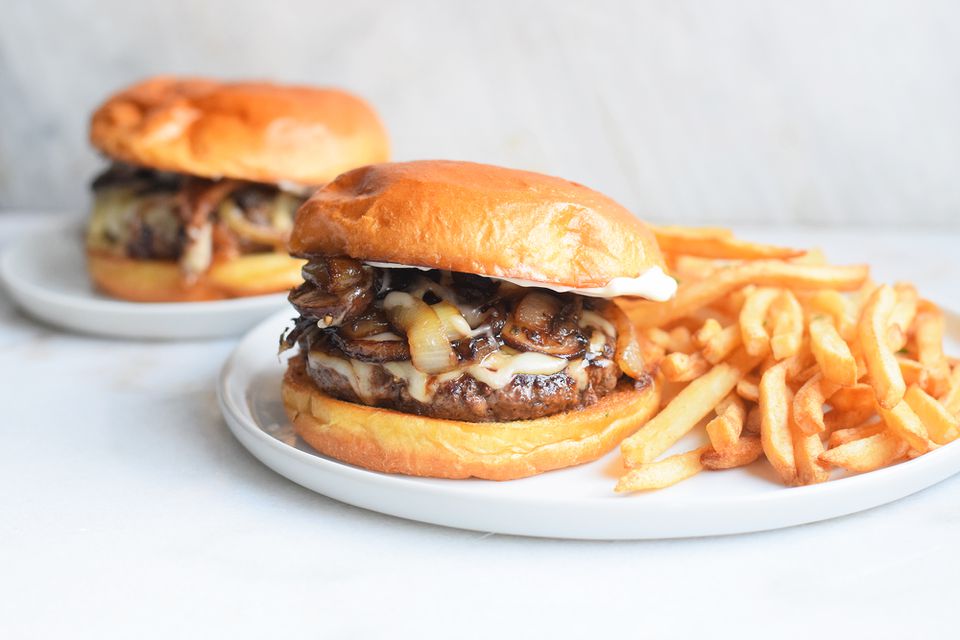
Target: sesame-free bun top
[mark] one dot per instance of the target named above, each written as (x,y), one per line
(246,130)
(476,218)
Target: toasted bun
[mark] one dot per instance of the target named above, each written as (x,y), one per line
(394,442)
(162,280)
(475,218)
(245,130)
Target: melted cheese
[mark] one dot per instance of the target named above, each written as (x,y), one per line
(652,284)
(499,368)
(595,320)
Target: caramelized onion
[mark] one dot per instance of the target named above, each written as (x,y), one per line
(453,321)
(367,325)
(372,350)
(629,354)
(231,214)
(430,348)
(541,322)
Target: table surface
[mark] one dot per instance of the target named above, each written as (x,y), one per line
(128,510)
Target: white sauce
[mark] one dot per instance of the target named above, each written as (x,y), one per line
(653,284)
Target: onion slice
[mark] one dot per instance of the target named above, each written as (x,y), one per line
(430,348)
(629,353)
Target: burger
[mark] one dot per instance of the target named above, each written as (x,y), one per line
(457,320)
(204,181)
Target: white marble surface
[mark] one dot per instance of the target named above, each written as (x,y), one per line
(813,112)
(128,510)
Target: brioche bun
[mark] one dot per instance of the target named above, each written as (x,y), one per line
(245,130)
(162,280)
(475,218)
(393,442)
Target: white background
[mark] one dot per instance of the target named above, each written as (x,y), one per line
(816,112)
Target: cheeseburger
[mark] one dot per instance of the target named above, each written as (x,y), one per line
(204,180)
(456,320)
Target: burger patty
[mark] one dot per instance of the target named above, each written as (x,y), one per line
(467,399)
(361,350)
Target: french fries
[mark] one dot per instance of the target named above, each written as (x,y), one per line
(808,404)
(753,319)
(666,472)
(902,421)
(681,367)
(866,454)
(831,352)
(761,273)
(928,333)
(808,366)
(683,413)
(787,325)
(843,436)
(720,345)
(775,398)
(885,376)
(724,430)
(716,243)
(744,451)
(942,426)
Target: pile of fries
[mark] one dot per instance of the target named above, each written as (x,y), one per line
(811,366)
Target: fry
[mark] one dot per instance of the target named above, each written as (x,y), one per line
(833,304)
(749,389)
(806,452)
(724,430)
(859,396)
(904,311)
(682,413)
(721,345)
(902,421)
(928,333)
(839,419)
(724,281)
(744,451)
(951,399)
(775,422)
(716,243)
(942,426)
(787,326)
(832,353)
(752,423)
(866,454)
(885,376)
(753,317)
(709,329)
(843,436)
(657,475)
(678,339)
(910,370)
(680,367)
(808,404)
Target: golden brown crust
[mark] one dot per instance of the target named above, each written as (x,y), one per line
(245,130)
(162,280)
(394,442)
(475,218)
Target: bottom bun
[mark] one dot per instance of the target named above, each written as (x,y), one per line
(162,280)
(394,442)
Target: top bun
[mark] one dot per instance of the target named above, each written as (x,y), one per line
(476,218)
(245,130)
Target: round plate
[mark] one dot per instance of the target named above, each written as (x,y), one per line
(578,502)
(46,275)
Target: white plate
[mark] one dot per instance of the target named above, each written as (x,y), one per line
(46,275)
(570,503)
